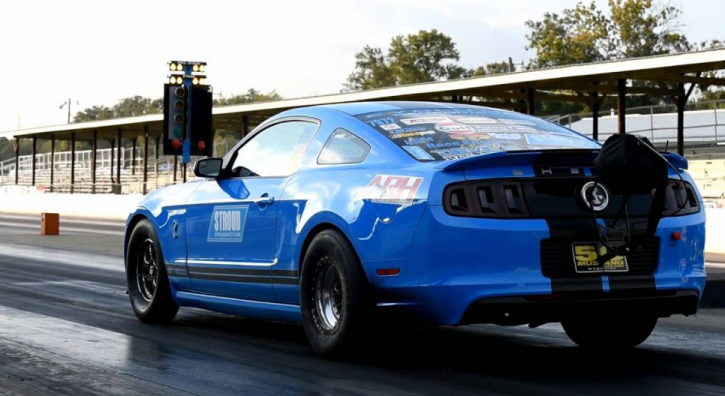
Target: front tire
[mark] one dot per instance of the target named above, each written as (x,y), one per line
(333,296)
(148,283)
(609,332)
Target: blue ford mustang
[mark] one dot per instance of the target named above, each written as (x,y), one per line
(453,214)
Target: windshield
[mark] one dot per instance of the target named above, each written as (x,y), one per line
(447,134)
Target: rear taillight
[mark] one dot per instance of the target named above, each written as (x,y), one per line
(680,199)
(496,199)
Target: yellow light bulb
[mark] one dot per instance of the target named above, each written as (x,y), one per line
(202,68)
(195,81)
(202,81)
(172,80)
(195,68)
(172,67)
(179,67)
(179,80)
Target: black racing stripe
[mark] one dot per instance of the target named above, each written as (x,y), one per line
(286,281)
(234,271)
(288,273)
(231,278)
(239,271)
(572,285)
(640,282)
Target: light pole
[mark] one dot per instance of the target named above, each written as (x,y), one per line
(68,103)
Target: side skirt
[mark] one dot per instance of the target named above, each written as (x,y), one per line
(249,308)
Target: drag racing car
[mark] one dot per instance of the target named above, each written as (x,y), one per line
(447,214)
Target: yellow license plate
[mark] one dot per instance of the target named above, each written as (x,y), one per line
(586,255)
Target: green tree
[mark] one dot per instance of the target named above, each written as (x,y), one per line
(126,107)
(631,28)
(416,58)
(93,113)
(252,95)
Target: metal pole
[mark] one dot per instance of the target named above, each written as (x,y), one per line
(681,101)
(245,126)
(32,160)
(714,109)
(72,161)
(145,156)
(176,163)
(69,110)
(530,101)
(94,150)
(52,160)
(113,152)
(17,160)
(621,106)
(595,116)
(652,124)
(133,157)
(118,160)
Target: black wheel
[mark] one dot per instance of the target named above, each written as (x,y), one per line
(609,332)
(148,284)
(333,296)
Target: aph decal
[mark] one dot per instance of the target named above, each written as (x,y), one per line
(392,189)
(227,224)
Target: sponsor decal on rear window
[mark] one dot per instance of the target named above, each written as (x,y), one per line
(424,120)
(227,224)
(434,134)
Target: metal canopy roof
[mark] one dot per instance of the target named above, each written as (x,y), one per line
(669,72)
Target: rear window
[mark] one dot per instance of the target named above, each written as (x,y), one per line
(447,134)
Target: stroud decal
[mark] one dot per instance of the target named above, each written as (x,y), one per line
(227,224)
(391,189)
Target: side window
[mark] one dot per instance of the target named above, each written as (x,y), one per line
(343,148)
(275,151)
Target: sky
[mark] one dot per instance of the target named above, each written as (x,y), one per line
(96,52)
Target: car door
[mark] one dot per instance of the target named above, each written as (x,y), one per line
(231,222)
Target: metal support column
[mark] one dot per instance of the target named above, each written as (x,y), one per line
(133,156)
(522,102)
(681,101)
(621,106)
(595,115)
(32,160)
(52,161)
(113,153)
(118,161)
(72,161)
(530,101)
(245,126)
(17,160)
(176,166)
(145,157)
(94,153)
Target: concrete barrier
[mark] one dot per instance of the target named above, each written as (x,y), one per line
(90,206)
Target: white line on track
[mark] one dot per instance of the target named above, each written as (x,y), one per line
(715,265)
(63,228)
(36,253)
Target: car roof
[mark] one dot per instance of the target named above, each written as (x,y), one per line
(358,108)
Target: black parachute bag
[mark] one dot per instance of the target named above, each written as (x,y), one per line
(628,165)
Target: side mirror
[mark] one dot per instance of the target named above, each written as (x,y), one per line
(208,168)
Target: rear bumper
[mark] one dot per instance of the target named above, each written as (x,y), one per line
(455,263)
(551,308)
